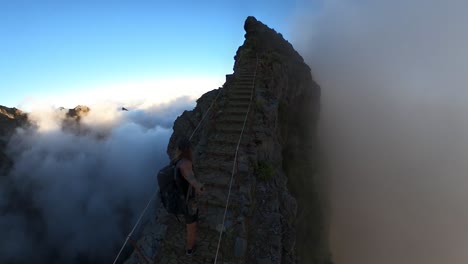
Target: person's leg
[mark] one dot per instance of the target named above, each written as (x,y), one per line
(191,222)
(191,235)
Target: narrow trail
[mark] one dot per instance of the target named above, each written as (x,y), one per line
(214,168)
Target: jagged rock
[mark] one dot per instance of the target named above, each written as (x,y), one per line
(72,123)
(78,112)
(10,119)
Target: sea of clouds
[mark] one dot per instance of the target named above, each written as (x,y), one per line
(394,125)
(72,197)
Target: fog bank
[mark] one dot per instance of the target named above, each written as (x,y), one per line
(394,124)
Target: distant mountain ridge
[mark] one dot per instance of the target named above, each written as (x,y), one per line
(13,118)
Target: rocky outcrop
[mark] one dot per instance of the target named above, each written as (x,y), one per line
(78,112)
(71,123)
(10,119)
(277,207)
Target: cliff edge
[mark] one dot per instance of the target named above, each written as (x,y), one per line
(277,209)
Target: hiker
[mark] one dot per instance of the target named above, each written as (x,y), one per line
(190,186)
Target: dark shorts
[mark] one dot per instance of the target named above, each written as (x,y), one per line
(191,214)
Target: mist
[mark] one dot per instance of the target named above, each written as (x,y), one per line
(394,125)
(74,195)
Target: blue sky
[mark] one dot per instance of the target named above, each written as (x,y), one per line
(61,50)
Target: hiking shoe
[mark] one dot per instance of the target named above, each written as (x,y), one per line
(190,252)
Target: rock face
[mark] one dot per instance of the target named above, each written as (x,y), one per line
(10,119)
(276,212)
(71,122)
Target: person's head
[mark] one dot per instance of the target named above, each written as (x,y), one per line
(184,149)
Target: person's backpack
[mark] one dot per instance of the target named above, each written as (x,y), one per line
(172,197)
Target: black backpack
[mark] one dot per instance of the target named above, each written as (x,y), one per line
(171,195)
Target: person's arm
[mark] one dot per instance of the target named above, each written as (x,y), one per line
(187,172)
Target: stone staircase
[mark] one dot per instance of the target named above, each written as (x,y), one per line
(214,167)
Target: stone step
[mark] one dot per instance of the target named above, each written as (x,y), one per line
(215,179)
(218,196)
(211,216)
(222,150)
(217,153)
(232,143)
(237,112)
(215,165)
(249,74)
(233,113)
(233,129)
(246,73)
(240,185)
(245,70)
(218,174)
(214,169)
(231,139)
(241,99)
(240,112)
(242,88)
(206,203)
(244,82)
(233,108)
(231,119)
(244,105)
(235,92)
(223,185)
(241,93)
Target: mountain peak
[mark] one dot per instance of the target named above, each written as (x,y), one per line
(252,134)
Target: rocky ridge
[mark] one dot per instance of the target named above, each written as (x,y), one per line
(10,119)
(277,207)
